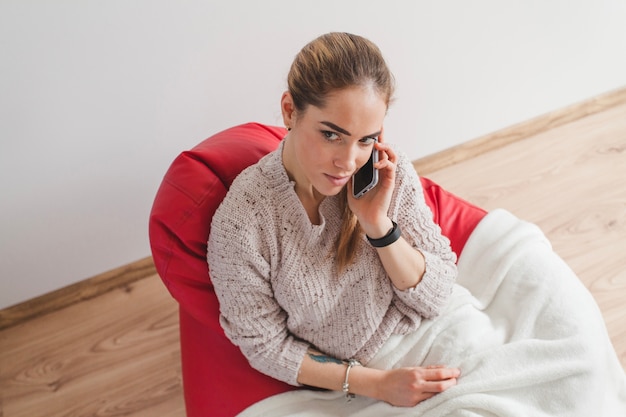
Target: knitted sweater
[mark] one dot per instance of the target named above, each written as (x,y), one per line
(279,290)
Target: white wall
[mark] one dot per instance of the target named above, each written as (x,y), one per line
(98,97)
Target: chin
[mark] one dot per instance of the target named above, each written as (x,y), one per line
(335,191)
(329,191)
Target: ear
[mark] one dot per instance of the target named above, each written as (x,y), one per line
(288,109)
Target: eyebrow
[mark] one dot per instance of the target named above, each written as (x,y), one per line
(345,132)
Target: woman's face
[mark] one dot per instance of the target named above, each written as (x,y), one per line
(330,144)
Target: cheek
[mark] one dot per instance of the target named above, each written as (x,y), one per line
(310,152)
(363,158)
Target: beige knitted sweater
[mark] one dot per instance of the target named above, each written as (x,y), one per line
(275,277)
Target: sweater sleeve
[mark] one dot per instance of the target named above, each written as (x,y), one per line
(431,295)
(239,257)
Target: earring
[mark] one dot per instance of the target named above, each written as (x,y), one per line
(288,129)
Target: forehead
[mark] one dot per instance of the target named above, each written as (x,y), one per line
(356,108)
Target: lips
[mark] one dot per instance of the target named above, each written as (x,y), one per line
(338,181)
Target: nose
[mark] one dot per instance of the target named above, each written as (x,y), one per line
(346,158)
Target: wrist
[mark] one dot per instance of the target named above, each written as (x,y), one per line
(391,237)
(366,381)
(346,382)
(378,229)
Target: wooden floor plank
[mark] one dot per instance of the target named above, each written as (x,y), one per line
(117,354)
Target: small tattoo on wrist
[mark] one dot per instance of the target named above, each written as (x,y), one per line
(324,359)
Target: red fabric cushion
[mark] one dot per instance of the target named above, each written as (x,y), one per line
(456,217)
(217,379)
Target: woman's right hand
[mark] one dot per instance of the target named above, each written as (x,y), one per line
(407,387)
(402,387)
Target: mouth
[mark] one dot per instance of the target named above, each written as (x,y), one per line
(338,181)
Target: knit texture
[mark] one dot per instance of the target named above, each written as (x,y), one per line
(275,276)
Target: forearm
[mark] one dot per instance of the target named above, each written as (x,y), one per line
(404,264)
(404,387)
(321,371)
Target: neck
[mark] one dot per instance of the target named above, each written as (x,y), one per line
(308,195)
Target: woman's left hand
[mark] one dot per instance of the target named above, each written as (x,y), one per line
(371,209)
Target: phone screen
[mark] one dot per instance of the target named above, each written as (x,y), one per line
(366,177)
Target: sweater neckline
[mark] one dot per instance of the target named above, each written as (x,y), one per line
(274,170)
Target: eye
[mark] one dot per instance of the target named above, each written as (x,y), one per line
(368,140)
(330,136)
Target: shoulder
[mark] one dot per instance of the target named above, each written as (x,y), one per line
(406,175)
(256,183)
(253,196)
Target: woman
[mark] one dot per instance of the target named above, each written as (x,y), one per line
(312,282)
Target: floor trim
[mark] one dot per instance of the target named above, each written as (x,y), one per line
(126,275)
(74,293)
(520,131)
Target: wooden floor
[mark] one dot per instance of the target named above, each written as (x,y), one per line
(571,181)
(117,354)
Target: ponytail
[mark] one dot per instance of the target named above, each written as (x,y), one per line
(349,234)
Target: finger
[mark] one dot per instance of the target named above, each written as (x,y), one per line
(382,152)
(392,154)
(387,152)
(439,386)
(441,373)
(385,163)
(381,137)
(425,396)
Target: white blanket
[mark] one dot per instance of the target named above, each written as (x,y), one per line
(527,335)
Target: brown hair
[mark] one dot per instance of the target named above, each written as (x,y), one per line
(331,62)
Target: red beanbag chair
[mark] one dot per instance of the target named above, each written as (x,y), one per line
(217,379)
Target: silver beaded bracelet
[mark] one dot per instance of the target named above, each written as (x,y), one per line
(346,384)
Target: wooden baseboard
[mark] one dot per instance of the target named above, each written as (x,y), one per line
(83,290)
(520,131)
(143,268)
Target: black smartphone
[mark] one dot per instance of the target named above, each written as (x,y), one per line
(366,177)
